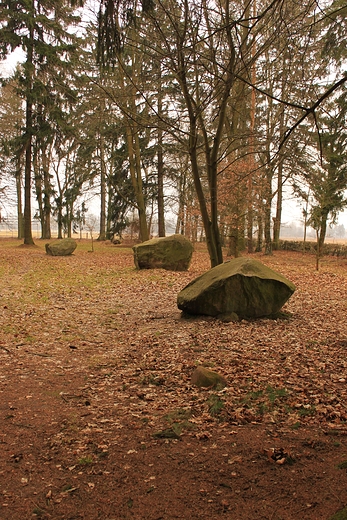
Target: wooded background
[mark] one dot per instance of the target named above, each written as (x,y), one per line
(202,109)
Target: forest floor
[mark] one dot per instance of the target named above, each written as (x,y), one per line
(99,419)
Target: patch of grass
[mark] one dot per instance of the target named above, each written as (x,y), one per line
(304,412)
(169,433)
(275,393)
(181,414)
(296,425)
(249,398)
(342,465)
(265,400)
(37,511)
(85,461)
(255,395)
(66,487)
(215,405)
(9,329)
(179,420)
(340,515)
(262,408)
(102,454)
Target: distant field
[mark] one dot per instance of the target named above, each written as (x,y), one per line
(8,233)
(86,236)
(328,240)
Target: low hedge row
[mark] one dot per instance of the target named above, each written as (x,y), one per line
(311,247)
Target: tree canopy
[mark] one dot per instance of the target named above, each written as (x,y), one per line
(145,99)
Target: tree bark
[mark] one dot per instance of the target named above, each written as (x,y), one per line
(161,216)
(102,231)
(28,238)
(135,173)
(20,218)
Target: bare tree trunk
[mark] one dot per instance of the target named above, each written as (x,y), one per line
(47,190)
(182,189)
(318,250)
(233,249)
(250,215)
(277,219)
(60,217)
(251,147)
(135,173)
(278,216)
(267,211)
(38,188)
(212,243)
(28,238)
(102,232)
(20,219)
(260,232)
(134,150)
(323,230)
(161,216)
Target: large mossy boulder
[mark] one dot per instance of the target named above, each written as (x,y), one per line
(61,247)
(173,253)
(243,287)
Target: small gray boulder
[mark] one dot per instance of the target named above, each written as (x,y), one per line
(243,287)
(61,247)
(173,253)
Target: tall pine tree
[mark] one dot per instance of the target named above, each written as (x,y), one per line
(41,28)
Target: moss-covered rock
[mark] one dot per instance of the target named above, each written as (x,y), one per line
(173,253)
(243,286)
(62,247)
(340,515)
(204,378)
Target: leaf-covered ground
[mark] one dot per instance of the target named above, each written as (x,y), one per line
(99,419)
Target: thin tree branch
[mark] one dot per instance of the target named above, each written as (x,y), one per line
(311,110)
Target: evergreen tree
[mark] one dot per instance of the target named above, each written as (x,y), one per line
(11,153)
(326,180)
(41,29)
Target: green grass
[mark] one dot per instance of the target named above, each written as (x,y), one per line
(340,515)
(264,400)
(37,278)
(178,420)
(215,405)
(275,393)
(85,461)
(304,412)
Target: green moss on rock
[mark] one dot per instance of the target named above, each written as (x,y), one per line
(172,253)
(242,286)
(204,378)
(61,247)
